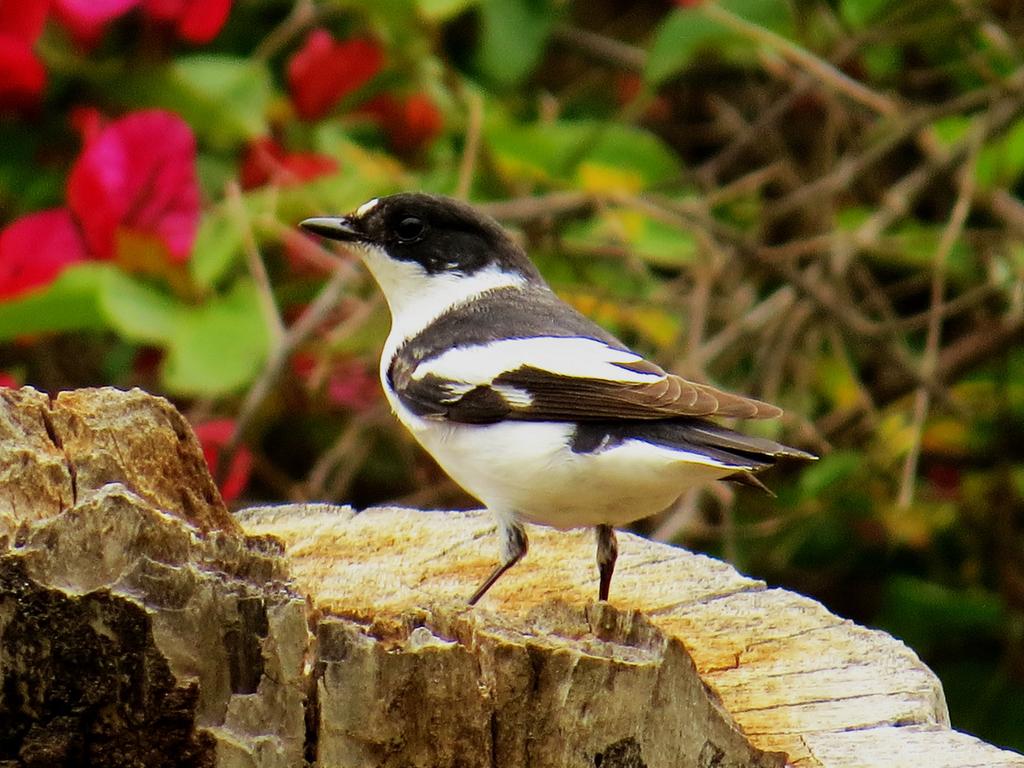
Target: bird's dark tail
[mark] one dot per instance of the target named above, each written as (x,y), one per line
(748,454)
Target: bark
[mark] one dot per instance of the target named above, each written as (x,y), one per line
(143,625)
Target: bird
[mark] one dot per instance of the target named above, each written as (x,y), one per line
(530,406)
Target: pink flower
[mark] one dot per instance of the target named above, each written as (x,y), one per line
(22,77)
(353,385)
(85,20)
(213,436)
(324,71)
(36,248)
(197,21)
(137,176)
(267,162)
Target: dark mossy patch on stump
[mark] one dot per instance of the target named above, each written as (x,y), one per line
(82,683)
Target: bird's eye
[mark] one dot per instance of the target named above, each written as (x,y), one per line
(410,228)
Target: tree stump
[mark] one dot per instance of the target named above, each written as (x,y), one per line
(141,624)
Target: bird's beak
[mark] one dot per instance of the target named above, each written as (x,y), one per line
(334,227)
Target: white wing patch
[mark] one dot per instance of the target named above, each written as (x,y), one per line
(571,356)
(514,396)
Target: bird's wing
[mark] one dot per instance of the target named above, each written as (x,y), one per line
(552,378)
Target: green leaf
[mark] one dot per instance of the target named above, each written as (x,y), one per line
(567,150)
(513,34)
(223,98)
(883,62)
(774,15)
(829,471)
(1001,163)
(138,311)
(213,348)
(627,148)
(442,10)
(651,240)
(951,129)
(858,13)
(218,347)
(69,303)
(688,31)
(218,245)
(920,611)
(677,41)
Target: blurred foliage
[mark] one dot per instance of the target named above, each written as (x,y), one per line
(811,201)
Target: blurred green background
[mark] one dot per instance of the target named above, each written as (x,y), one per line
(815,203)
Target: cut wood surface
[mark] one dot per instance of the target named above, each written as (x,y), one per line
(141,624)
(796,678)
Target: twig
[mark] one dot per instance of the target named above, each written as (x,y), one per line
(821,69)
(471,149)
(350,448)
(902,128)
(950,234)
(681,517)
(522,210)
(254,260)
(778,303)
(304,14)
(606,49)
(307,323)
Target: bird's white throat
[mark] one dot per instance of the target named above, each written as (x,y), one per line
(416,298)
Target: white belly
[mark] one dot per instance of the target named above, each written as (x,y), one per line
(526,469)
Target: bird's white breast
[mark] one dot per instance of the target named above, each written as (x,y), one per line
(527,469)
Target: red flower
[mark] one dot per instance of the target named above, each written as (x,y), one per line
(22,77)
(197,21)
(410,124)
(137,177)
(213,436)
(86,19)
(265,161)
(87,122)
(7,381)
(36,248)
(324,71)
(23,19)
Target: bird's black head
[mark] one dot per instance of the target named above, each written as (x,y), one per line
(441,235)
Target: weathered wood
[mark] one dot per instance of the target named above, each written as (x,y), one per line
(140,624)
(796,678)
(128,636)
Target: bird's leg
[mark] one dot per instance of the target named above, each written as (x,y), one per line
(607,552)
(513,548)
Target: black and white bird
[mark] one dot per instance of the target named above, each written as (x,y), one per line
(532,408)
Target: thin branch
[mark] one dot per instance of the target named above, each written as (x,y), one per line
(821,69)
(471,149)
(603,48)
(254,261)
(304,15)
(523,210)
(314,316)
(950,234)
